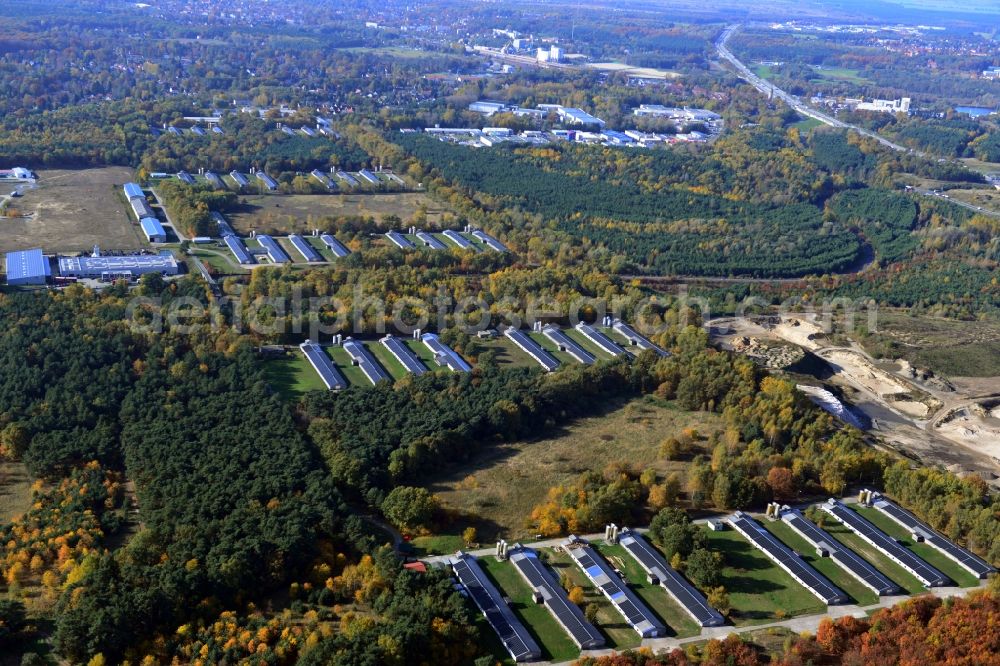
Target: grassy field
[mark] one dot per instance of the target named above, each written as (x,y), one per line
(352,373)
(433,545)
(387,360)
(299,212)
(896,573)
(550,347)
(610,622)
(841,74)
(759,591)
(15,490)
(555,643)
(582,340)
(763,71)
(218,260)
(73,210)
(508,354)
(948,347)
(928,553)
(678,622)
(825,565)
(292,376)
(501,486)
(806,124)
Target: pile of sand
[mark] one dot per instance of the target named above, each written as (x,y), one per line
(800,331)
(861,372)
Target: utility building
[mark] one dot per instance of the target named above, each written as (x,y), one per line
(27,267)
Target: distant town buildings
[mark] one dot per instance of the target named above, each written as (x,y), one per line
(677,114)
(566,114)
(993,73)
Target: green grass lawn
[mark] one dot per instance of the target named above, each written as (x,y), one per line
(862,595)
(610,622)
(321,247)
(842,74)
(928,553)
(387,360)
(896,573)
(424,354)
(437,544)
(507,353)
(806,124)
(292,376)
(555,642)
(763,71)
(218,260)
(759,590)
(587,344)
(352,373)
(550,347)
(678,622)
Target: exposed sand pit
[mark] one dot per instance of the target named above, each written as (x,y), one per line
(800,332)
(858,370)
(974,428)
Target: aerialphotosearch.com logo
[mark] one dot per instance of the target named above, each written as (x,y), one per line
(316,316)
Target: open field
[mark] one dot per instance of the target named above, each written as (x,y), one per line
(825,565)
(292,376)
(15,490)
(555,643)
(498,490)
(841,74)
(507,353)
(928,553)
(283,214)
(948,347)
(71,210)
(678,622)
(758,590)
(806,124)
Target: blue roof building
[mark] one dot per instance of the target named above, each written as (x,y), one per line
(153,230)
(27,267)
(133,190)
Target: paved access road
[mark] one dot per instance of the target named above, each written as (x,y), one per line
(809,623)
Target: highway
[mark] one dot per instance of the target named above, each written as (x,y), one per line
(797,104)
(941,195)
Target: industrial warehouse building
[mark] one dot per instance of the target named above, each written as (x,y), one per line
(27,267)
(118,267)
